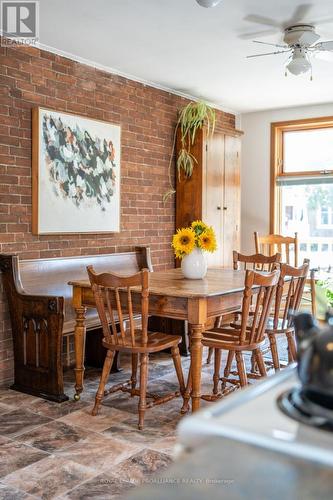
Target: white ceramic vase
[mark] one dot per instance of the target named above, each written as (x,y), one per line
(194,265)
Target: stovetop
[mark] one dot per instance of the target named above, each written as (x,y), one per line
(252,416)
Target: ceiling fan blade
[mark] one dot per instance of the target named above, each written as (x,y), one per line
(268,53)
(324,45)
(271,44)
(324,56)
(299,14)
(258,34)
(326,20)
(266,21)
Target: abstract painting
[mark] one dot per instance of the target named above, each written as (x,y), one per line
(76,174)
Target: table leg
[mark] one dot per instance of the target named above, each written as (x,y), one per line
(80,340)
(196,364)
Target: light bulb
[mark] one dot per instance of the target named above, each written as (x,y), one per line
(299,63)
(208,3)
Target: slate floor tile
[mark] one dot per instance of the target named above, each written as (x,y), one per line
(14,456)
(51,477)
(19,421)
(53,436)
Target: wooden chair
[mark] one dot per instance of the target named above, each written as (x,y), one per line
(248,335)
(289,293)
(113,295)
(272,243)
(283,244)
(257,262)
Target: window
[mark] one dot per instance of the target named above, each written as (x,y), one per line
(323,216)
(302,186)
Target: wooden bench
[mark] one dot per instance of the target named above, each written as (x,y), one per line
(41,312)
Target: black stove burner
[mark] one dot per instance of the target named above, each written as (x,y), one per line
(295,404)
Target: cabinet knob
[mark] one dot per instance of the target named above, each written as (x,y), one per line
(225,208)
(218,208)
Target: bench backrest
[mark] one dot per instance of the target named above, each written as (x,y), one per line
(51,276)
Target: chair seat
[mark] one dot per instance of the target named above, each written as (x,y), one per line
(228,338)
(156,342)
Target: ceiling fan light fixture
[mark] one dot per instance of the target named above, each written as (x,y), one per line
(208,3)
(299,63)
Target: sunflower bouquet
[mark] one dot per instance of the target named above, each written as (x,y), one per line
(198,235)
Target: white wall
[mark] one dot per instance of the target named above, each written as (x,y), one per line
(255,174)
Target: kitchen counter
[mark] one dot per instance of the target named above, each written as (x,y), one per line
(245,447)
(227,469)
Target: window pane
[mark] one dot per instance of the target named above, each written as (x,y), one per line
(312,209)
(308,150)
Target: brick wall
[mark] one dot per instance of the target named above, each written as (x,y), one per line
(30,77)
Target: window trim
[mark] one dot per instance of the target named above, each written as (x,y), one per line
(276,160)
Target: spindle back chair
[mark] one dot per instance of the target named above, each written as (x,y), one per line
(247,335)
(256,262)
(113,296)
(288,298)
(272,243)
(108,291)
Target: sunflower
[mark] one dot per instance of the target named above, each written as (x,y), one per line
(207,240)
(183,242)
(198,226)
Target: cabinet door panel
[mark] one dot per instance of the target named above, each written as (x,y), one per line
(231,212)
(213,193)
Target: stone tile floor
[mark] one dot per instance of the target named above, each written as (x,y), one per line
(50,450)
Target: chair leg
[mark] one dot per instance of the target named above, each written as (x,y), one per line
(291,347)
(104,377)
(210,354)
(274,351)
(178,367)
(227,368)
(135,358)
(217,366)
(253,363)
(143,388)
(241,368)
(187,393)
(260,362)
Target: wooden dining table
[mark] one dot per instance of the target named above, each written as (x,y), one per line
(171,296)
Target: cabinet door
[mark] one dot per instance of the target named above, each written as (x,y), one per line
(231,207)
(213,193)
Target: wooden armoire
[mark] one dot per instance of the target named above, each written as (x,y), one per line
(212,193)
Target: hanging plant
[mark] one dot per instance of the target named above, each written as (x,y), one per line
(191,119)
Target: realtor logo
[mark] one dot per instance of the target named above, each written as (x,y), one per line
(19,22)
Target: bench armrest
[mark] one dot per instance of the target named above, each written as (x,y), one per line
(43,305)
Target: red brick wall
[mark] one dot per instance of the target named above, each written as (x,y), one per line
(30,77)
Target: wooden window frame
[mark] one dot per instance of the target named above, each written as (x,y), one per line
(277,131)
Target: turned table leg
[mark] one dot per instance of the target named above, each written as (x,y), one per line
(196,364)
(80,340)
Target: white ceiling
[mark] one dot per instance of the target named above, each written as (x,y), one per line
(201,52)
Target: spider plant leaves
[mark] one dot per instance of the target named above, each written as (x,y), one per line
(185,163)
(168,194)
(192,118)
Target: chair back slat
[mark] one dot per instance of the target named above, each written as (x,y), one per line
(130,313)
(285,245)
(120,314)
(267,283)
(111,315)
(289,293)
(113,294)
(256,262)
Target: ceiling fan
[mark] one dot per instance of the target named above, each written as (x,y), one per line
(300,43)
(300,38)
